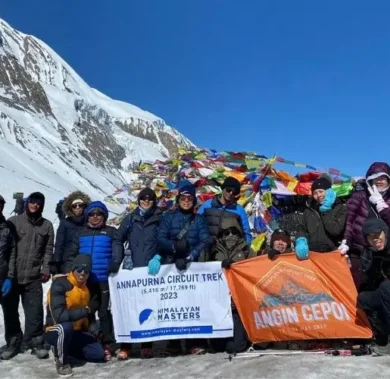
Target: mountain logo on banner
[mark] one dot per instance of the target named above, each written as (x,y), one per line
(288,284)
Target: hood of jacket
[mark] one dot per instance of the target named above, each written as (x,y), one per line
(378,169)
(67,205)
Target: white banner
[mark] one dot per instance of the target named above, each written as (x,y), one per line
(171,305)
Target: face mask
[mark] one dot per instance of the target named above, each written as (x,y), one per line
(230,241)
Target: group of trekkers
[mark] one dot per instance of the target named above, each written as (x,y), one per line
(86,251)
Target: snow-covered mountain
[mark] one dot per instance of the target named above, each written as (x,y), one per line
(58,134)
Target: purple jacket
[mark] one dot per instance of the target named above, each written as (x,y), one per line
(359,208)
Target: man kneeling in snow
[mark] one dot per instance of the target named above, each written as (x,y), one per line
(67,318)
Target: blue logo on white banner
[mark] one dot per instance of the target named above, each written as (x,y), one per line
(174,304)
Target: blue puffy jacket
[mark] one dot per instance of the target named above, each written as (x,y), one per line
(172,223)
(98,244)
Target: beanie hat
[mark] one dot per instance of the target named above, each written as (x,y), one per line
(282,235)
(147,192)
(187,189)
(321,183)
(231,182)
(375,225)
(96,206)
(82,260)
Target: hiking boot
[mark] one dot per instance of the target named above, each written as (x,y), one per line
(12,349)
(38,349)
(40,352)
(107,353)
(64,371)
(146,353)
(381,350)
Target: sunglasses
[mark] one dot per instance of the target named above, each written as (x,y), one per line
(230,232)
(77,205)
(96,214)
(80,269)
(35,201)
(146,198)
(231,190)
(186,198)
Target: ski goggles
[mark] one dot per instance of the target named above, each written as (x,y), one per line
(80,269)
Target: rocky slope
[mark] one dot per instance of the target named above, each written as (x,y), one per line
(52,121)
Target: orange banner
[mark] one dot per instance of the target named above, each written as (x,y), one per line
(287,299)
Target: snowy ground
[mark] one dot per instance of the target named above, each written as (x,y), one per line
(209,366)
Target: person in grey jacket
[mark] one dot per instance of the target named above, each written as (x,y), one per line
(34,250)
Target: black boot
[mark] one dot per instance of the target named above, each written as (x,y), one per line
(38,348)
(12,349)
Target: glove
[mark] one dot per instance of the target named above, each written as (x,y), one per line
(45,278)
(376,198)
(6,287)
(330,198)
(181,264)
(154,265)
(113,268)
(343,248)
(54,267)
(301,248)
(226,263)
(181,248)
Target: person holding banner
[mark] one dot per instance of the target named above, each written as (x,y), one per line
(230,247)
(139,230)
(181,238)
(375,300)
(280,244)
(226,206)
(324,221)
(67,318)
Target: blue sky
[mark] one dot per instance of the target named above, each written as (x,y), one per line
(295,78)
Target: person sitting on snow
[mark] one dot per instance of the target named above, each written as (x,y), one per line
(73,207)
(375,264)
(96,239)
(230,247)
(226,206)
(280,244)
(67,318)
(324,221)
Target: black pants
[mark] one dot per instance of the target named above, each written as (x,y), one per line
(67,342)
(100,300)
(376,304)
(237,343)
(32,299)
